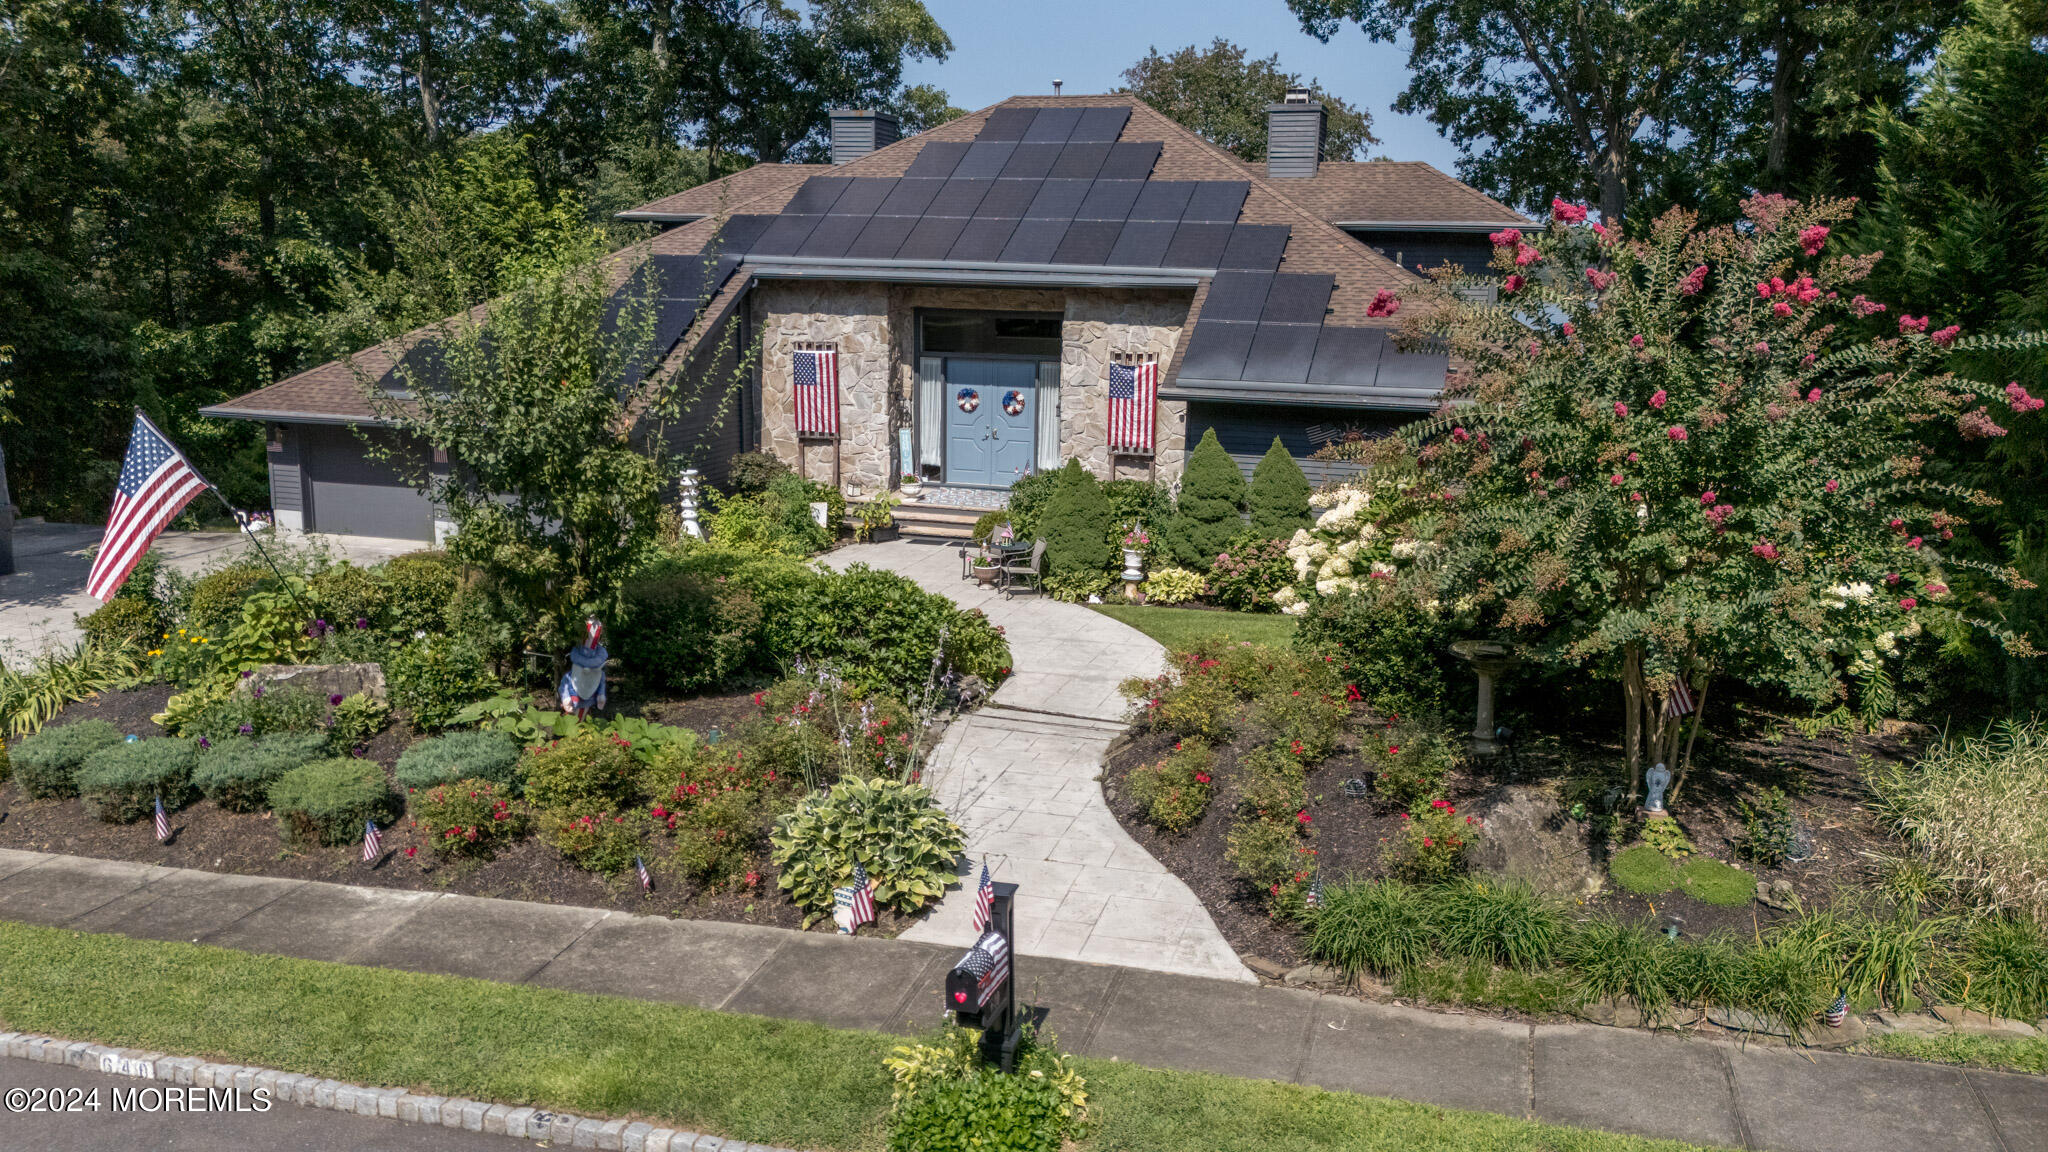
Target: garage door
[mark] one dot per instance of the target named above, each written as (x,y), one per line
(350,494)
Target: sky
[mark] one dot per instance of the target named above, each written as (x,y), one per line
(1009,49)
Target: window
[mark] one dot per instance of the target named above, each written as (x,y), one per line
(1033,334)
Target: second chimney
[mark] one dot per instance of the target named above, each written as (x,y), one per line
(857,132)
(1294,135)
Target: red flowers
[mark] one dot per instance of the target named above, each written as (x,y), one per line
(1506,238)
(1526,255)
(1569,331)
(1658,398)
(1694,281)
(1566,213)
(2018,398)
(1459,435)
(1676,432)
(1944,337)
(1302,816)
(1600,280)
(1864,306)
(1909,603)
(1635,341)
(1813,396)
(1513,283)
(1832,485)
(1765,549)
(1615,479)
(1384,303)
(1620,409)
(1201,777)
(1812,238)
(1782,308)
(1912,324)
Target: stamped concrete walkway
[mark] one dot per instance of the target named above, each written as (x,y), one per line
(1020,777)
(1640,1083)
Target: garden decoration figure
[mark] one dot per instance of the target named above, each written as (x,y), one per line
(1657,779)
(583,684)
(686,500)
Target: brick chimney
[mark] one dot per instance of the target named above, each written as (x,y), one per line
(858,131)
(1294,135)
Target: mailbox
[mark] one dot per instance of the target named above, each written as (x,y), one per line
(981,988)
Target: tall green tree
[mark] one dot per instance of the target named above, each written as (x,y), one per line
(1210,510)
(1278,496)
(1221,96)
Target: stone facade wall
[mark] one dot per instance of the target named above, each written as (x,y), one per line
(874,328)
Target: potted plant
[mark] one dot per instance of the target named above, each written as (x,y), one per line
(1135,542)
(875,523)
(910,484)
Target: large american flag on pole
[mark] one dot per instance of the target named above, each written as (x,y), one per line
(156,483)
(817,391)
(1133,404)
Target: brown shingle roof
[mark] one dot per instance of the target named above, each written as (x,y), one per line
(721,195)
(1394,192)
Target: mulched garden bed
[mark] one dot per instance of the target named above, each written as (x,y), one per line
(209,838)
(1820,774)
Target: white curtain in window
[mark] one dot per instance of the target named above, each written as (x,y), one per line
(931,411)
(1048,415)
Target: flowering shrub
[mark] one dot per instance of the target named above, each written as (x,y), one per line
(717,836)
(1245,575)
(1273,785)
(1388,648)
(1174,791)
(1271,855)
(1304,721)
(819,729)
(468,818)
(1173,586)
(1412,762)
(596,839)
(1199,707)
(1430,846)
(586,772)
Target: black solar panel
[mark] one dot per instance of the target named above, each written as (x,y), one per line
(985,160)
(959,198)
(1197,245)
(1255,246)
(1100,124)
(1236,296)
(932,238)
(1217,351)
(1008,198)
(863,197)
(1162,200)
(784,236)
(1058,199)
(1032,161)
(740,232)
(679,275)
(1142,244)
(1417,370)
(1088,242)
(1216,201)
(1080,161)
(833,236)
(1034,242)
(1006,124)
(1054,124)
(1347,355)
(937,159)
(882,237)
(1130,161)
(671,319)
(983,239)
(1109,200)
(1298,298)
(910,197)
(1281,353)
(817,195)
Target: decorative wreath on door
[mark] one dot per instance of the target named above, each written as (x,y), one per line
(968,399)
(1013,402)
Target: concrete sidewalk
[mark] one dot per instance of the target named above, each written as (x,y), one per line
(1622,1081)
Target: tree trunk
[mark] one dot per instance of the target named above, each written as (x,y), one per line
(1790,53)
(423,72)
(1632,725)
(1612,172)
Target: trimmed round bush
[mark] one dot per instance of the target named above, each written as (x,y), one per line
(327,801)
(237,774)
(433,678)
(47,762)
(121,782)
(419,588)
(214,603)
(345,594)
(585,772)
(123,621)
(477,755)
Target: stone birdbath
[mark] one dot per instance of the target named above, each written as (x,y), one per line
(1489,659)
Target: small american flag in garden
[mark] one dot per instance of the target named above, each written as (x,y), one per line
(1679,703)
(1314,899)
(155,485)
(817,391)
(989,961)
(984,898)
(163,822)
(1133,404)
(1838,1012)
(863,897)
(373,842)
(646,881)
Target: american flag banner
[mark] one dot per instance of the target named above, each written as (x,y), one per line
(1679,702)
(984,898)
(989,963)
(1314,899)
(163,822)
(1838,1012)
(1133,404)
(373,842)
(816,372)
(863,897)
(646,881)
(156,483)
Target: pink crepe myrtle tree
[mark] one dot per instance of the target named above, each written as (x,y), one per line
(1671,458)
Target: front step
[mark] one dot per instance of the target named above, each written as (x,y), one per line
(937,520)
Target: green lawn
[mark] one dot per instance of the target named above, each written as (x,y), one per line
(1179,627)
(2014,1053)
(769,1081)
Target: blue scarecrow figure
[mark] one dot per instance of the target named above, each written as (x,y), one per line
(583,684)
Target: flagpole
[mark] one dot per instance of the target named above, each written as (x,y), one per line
(240,525)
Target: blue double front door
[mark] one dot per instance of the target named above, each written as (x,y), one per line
(991,411)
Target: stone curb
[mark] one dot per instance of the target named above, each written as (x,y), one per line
(559,1128)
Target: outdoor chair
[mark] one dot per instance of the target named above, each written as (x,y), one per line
(1028,572)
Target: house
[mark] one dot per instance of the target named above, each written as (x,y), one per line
(960,304)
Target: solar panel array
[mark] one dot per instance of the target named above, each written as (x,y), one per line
(1268,328)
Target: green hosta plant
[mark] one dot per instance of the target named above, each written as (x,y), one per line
(896,831)
(1173,586)
(529,723)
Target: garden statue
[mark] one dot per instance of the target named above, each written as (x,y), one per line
(583,684)
(1489,660)
(1657,779)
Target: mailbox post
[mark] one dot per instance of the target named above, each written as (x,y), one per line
(981,989)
